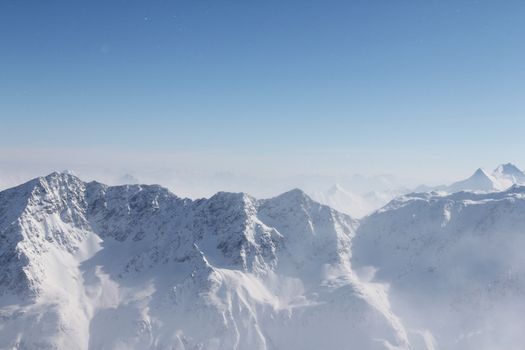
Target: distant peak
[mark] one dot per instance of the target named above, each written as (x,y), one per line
(508,169)
(479,181)
(481,173)
(292,197)
(231,197)
(295,193)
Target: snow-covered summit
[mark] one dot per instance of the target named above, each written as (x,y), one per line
(503,177)
(481,180)
(510,172)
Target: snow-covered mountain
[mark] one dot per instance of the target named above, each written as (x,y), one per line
(87,266)
(454,263)
(502,178)
(509,174)
(90,266)
(480,181)
(361,204)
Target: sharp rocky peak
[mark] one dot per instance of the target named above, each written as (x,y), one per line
(480,172)
(59,210)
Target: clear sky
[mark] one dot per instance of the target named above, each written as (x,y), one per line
(368,86)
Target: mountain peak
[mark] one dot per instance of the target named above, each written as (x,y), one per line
(295,195)
(480,172)
(509,169)
(60,176)
(479,181)
(503,177)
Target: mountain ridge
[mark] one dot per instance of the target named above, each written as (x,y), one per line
(501,178)
(230,271)
(235,272)
(455,256)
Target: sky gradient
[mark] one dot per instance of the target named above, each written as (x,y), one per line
(414,88)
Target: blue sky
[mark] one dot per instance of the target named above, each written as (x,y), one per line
(334,86)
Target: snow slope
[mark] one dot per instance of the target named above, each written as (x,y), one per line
(454,264)
(87,266)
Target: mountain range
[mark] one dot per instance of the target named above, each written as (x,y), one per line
(91,266)
(359,205)
(454,265)
(88,266)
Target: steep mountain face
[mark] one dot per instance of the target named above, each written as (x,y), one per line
(454,264)
(87,266)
